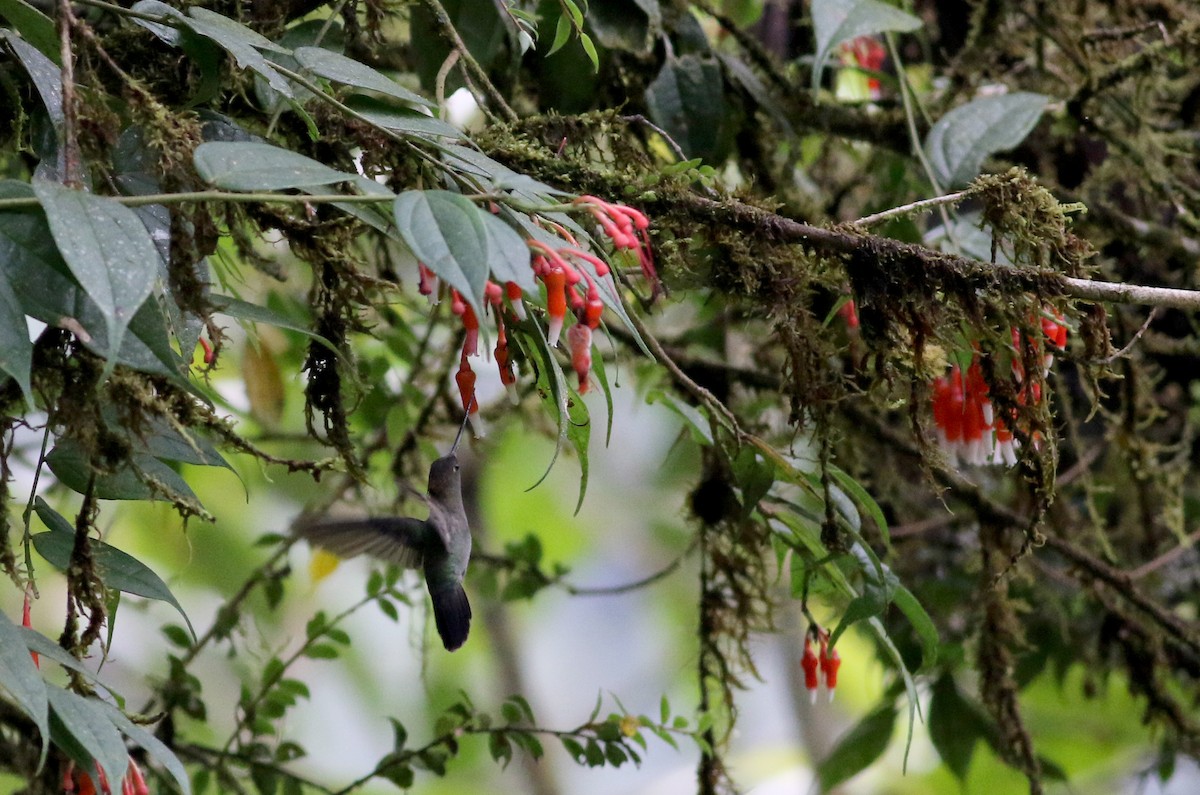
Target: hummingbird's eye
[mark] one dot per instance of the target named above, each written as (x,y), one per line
(457,467)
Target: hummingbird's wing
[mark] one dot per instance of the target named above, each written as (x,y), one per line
(395,539)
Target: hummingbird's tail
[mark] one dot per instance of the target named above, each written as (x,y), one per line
(452,615)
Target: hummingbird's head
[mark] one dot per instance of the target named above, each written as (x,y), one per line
(443,475)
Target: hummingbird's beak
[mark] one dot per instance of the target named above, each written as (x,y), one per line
(463,427)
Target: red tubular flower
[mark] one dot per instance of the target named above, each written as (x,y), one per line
(579,340)
(427,282)
(504,364)
(134,780)
(465,378)
(208,351)
(513,291)
(493,293)
(627,228)
(849,313)
(470,322)
(556,303)
(830,662)
(810,665)
(594,308)
(26,621)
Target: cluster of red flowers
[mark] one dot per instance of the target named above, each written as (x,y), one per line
(967,426)
(76,782)
(563,270)
(818,666)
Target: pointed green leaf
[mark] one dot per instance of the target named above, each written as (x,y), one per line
(508,255)
(255,313)
(45,74)
(239,41)
(562,32)
(551,386)
(152,745)
(87,724)
(602,376)
(21,681)
(590,49)
(117,569)
(694,419)
(960,141)
(871,602)
(446,232)
(107,249)
(861,746)
(70,465)
(687,99)
(402,120)
(36,27)
(171,35)
(921,622)
(252,166)
(340,69)
(579,431)
(836,21)
(955,725)
(16,349)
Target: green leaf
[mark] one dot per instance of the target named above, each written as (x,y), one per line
(871,602)
(340,69)
(836,21)
(152,745)
(955,725)
(921,622)
(625,24)
(70,465)
(551,385)
(167,33)
(864,500)
(910,686)
(239,41)
(255,313)
(446,232)
(45,74)
(85,721)
(16,349)
(960,141)
(21,681)
(861,746)
(562,32)
(602,376)
(579,431)
(508,255)
(687,99)
(107,249)
(116,569)
(36,27)
(590,49)
(402,120)
(251,166)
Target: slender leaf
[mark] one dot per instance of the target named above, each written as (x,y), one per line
(340,69)
(239,41)
(252,166)
(171,35)
(837,21)
(152,745)
(16,349)
(861,746)
(921,622)
(255,313)
(960,141)
(864,499)
(687,99)
(45,74)
(117,569)
(36,27)
(579,431)
(403,120)
(694,419)
(87,723)
(21,680)
(955,725)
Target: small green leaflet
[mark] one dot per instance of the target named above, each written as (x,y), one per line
(239,41)
(79,725)
(21,681)
(116,568)
(36,27)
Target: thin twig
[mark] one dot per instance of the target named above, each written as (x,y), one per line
(914,207)
(472,67)
(1187,545)
(1133,340)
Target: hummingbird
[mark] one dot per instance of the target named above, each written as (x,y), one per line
(441,544)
